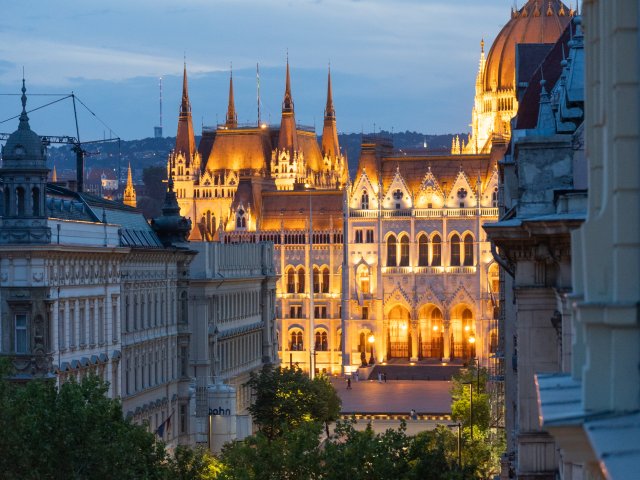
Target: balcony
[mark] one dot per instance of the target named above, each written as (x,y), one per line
(426,212)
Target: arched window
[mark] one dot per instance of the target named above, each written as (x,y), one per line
(291,281)
(316,280)
(364,279)
(436,251)
(494,279)
(7,198)
(455,250)
(325,280)
(423,251)
(296,340)
(364,201)
(20,201)
(392,253)
(467,321)
(322,343)
(468,250)
(35,201)
(339,333)
(301,276)
(397,196)
(404,251)
(241,221)
(494,197)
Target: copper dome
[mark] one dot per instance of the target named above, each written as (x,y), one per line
(538,21)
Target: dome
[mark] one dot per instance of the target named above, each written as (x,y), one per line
(23,144)
(538,21)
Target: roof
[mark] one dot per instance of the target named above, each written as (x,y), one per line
(239,149)
(445,168)
(535,22)
(292,208)
(66,204)
(551,69)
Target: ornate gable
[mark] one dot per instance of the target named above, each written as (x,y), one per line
(462,194)
(397,297)
(398,194)
(363,183)
(461,295)
(430,194)
(430,297)
(489,196)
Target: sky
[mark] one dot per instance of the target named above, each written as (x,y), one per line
(395,64)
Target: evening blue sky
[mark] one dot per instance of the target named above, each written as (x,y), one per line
(401,64)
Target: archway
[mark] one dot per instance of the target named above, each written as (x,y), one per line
(399,336)
(431,341)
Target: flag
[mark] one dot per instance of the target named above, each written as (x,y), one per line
(160,430)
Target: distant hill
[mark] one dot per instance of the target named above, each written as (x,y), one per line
(151,152)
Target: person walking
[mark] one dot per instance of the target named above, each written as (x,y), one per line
(348,383)
(384,377)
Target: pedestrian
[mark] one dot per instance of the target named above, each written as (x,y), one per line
(379,377)
(357,376)
(413,414)
(348,383)
(384,377)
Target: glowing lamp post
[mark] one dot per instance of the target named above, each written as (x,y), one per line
(372,340)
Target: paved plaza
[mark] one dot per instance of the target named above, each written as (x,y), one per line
(384,405)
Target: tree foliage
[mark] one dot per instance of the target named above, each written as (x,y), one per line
(285,398)
(74,431)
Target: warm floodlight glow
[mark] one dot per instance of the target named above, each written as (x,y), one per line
(372,338)
(466,328)
(435,328)
(403,326)
(472,339)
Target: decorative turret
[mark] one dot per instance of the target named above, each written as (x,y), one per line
(232,117)
(171,227)
(184,160)
(129,197)
(54,175)
(288,159)
(335,164)
(24,176)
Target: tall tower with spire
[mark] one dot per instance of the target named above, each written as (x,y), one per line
(334,168)
(290,167)
(129,197)
(232,116)
(24,175)
(184,160)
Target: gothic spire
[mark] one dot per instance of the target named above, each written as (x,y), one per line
(24,118)
(329,111)
(287,103)
(129,197)
(185,139)
(232,116)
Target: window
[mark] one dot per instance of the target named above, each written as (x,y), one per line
(325,280)
(35,201)
(369,233)
(184,361)
(21,333)
(20,201)
(494,197)
(391,252)
(455,250)
(322,343)
(397,196)
(365,313)
(364,201)
(291,281)
(316,280)
(364,279)
(183,419)
(468,250)
(462,194)
(358,238)
(241,221)
(404,251)
(296,340)
(436,251)
(301,280)
(423,251)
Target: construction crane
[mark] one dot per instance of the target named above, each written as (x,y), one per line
(77,146)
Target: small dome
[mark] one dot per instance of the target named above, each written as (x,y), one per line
(24,143)
(538,21)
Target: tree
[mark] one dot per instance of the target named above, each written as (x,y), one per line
(74,431)
(195,464)
(287,398)
(462,383)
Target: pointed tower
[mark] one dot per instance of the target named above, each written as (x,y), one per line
(24,176)
(232,117)
(129,197)
(54,175)
(171,227)
(335,165)
(185,138)
(289,166)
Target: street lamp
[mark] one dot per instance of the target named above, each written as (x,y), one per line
(372,340)
(472,350)
(470,405)
(459,425)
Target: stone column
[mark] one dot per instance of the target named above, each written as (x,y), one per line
(414,340)
(446,323)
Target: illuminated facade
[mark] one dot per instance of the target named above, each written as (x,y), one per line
(421,278)
(496,101)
